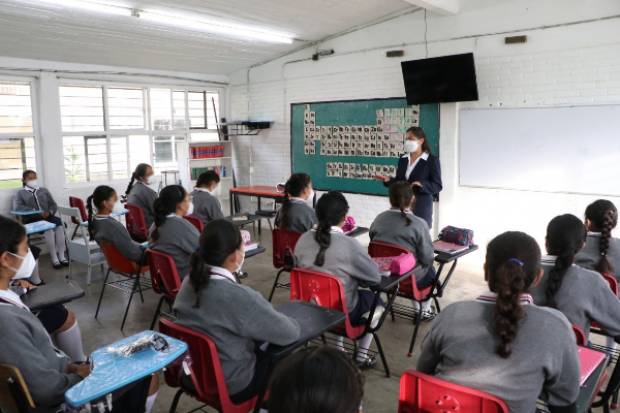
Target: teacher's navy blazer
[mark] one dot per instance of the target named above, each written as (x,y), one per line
(428,173)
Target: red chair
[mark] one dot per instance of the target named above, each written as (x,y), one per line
(406,289)
(206,379)
(195,221)
(421,393)
(580,336)
(165,279)
(130,270)
(78,203)
(283,254)
(136,223)
(326,291)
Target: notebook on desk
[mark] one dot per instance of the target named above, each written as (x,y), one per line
(589,360)
(448,247)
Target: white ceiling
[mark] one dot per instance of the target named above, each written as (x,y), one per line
(33,30)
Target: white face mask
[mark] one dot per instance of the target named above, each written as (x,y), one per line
(118,207)
(240,266)
(34,184)
(27,266)
(190,209)
(411,146)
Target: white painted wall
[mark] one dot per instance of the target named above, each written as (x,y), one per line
(562,64)
(46,77)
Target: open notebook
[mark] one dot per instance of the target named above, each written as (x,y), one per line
(589,360)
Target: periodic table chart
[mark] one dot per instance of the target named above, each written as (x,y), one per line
(343,145)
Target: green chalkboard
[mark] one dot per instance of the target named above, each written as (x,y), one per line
(342,144)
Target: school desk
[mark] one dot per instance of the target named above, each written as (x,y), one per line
(357,231)
(255,251)
(313,322)
(52,293)
(444,258)
(260,192)
(112,371)
(38,227)
(26,212)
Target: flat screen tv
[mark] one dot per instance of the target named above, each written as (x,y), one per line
(440,79)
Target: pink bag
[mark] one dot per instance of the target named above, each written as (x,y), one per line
(349,224)
(398,265)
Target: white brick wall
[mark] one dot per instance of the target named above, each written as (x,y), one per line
(576,64)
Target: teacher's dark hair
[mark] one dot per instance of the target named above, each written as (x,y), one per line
(418,132)
(316,380)
(331,209)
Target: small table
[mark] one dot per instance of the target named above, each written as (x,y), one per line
(255,251)
(55,292)
(112,371)
(588,389)
(259,191)
(357,231)
(26,212)
(38,227)
(444,258)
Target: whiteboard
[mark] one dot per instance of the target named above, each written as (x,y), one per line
(561,149)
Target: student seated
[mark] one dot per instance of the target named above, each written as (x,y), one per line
(296,213)
(236,317)
(582,295)
(103,227)
(602,251)
(206,206)
(502,343)
(399,226)
(34,197)
(171,233)
(327,249)
(140,193)
(316,380)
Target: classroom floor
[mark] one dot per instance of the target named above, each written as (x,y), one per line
(381,393)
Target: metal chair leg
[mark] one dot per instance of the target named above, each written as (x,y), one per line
(157,312)
(175,401)
(133,291)
(275,284)
(418,321)
(139,285)
(382,355)
(105,282)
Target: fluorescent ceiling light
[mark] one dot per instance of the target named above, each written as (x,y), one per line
(93,6)
(214,27)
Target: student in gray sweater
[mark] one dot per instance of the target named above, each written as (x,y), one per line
(139,192)
(171,233)
(103,227)
(327,249)
(32,197)
(296,214)
(399,226)
(582,295)
(236,317)
(502,343)
(206,206)
(25,343)
(602,251)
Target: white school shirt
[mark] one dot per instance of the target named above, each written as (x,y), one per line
(13,298)
(411,166)
(220,273)
(203,190)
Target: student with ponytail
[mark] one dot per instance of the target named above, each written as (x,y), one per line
(206,206)
(103,227)
(172,234)
(401,227)
(502,343)
(602,251)
(296,213)
(140,193)
(236,317)
(327,249)
(582,295)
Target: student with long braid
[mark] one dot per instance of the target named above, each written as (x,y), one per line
(172,234)
(103,227)
(582,295)
(327,249)
(297,214)
(140,193)
(399,226)
(602,251)
(502,343)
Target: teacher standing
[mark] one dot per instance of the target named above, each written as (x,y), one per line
(421,169)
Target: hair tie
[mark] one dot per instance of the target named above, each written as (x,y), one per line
(516,261)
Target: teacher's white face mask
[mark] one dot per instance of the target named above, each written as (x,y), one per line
(411,146)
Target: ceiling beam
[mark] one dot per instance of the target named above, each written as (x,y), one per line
(438,6)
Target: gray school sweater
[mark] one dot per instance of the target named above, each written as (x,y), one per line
(584,296)
(206,206)
(42,199)
(460,348)
(589,256)
(26,345)
(301,217)
(390,227)
(110,230)
(179,239)
(236,317)
(144,197)
(345,258)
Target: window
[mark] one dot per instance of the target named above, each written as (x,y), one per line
(17,151)
(108,130)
